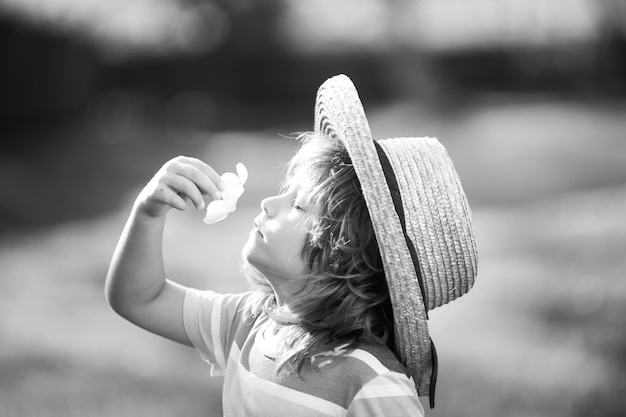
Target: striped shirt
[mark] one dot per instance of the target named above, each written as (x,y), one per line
(364,381)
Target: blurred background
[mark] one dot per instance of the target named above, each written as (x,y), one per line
(528,96)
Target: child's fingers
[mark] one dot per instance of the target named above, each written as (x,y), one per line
(209,172)
(172,198)
(201,179)
(185,188)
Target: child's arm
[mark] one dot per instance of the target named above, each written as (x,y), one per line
(136,284)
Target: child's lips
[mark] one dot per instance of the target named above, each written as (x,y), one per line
(258,230)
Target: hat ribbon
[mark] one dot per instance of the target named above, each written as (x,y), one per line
(392,184)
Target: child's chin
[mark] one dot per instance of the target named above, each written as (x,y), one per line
(248,252)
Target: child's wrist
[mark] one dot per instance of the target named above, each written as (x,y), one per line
(144,215)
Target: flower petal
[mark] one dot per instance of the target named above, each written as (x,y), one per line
(242,172)
(230,197)
(218,210)
(215,211)
(231,180)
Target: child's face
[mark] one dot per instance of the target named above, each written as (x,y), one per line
(275,244)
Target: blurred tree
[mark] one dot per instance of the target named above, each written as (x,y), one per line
(43,78)
(251,61)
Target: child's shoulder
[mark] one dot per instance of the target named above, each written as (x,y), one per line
(344,371)
(360,362)
(379,358)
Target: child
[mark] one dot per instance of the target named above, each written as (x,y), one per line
(363,240)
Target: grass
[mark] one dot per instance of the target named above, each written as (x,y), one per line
(540,334)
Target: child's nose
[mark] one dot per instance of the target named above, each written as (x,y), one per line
(268,205)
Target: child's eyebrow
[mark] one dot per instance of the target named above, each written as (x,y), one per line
(293,179)
(305,195)
(300,196)
(285,184)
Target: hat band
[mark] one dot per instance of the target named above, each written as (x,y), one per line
(396,197)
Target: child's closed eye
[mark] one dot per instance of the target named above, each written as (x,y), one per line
(296,206)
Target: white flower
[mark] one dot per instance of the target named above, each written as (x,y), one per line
(218,209)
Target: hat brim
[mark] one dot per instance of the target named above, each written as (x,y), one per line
(340,114)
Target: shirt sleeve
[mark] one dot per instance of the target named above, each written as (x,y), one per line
(213,322)
(391,394)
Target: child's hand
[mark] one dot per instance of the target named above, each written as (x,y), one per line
(180,181)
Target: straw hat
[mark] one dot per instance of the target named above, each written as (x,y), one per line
(420,216)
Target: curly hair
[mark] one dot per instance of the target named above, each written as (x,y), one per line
(344,296)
